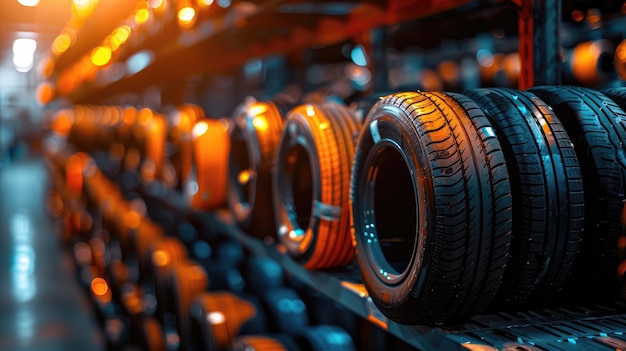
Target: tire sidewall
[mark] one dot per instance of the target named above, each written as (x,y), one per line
(394,128)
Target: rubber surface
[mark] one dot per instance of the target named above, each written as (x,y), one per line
(219,317)
(211,146)
(597,127)
(430,191)
(547,190)
(311,185)
(187,281)
(255,136)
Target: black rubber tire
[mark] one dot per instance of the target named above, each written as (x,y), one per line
(326,338)
(311,185)
(262,273)
(597,127)
(618,95)
(255,137)
(547,190)
(285,310)
(270,342)
(437,160)
(161,257)
(219,317)
(187,280)
(152,338)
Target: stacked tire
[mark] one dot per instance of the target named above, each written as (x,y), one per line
(311,184)
(431,204)
(461,202)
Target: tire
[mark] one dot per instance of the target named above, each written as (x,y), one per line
(263,273)
(255,137)
(155,137)
(152,335)
(164,254)
(327,338)
(447,219)
(222,266)
(186,281)
(142,240)
(286,312)
(211,146)
(597,127)
(264,343)
(547,190)
(219,317)
(311,185)
(618,95)
(179,136)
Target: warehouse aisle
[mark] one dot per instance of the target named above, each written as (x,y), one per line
(41,304)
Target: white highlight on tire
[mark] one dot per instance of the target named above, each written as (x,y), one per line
(215,318)
(374,131)
(326,211)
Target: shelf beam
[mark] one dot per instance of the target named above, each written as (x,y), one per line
(539,25)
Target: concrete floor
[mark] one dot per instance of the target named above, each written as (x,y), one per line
(42,306)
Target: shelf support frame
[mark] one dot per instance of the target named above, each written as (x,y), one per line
(539,26)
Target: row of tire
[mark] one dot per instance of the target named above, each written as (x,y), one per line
(450,203)
(163,292)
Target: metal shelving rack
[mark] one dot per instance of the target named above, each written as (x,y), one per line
(233,36)
(228,39)
(589,327)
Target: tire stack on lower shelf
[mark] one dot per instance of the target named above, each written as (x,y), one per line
(151,295)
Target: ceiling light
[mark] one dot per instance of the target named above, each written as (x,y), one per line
(24,46)
(28,3)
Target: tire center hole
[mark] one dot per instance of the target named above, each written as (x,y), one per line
(395,209)
(240,164)
(299,170)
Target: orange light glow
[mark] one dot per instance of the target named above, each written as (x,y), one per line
(186,17)
(132,219)
(205,3)
(621,270)
(200,128)
(258,109)
(120,35)
(142,16)
(620,59)
(45,92)
(99,286)
(144,116)
(244,176)
(74,172)
(158,6)
(578,15)
(61,43)
(46,67)
(130,115)
(260,123)
(100,56)
(160,258)
(155,4)
(83,8)
(63,122)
